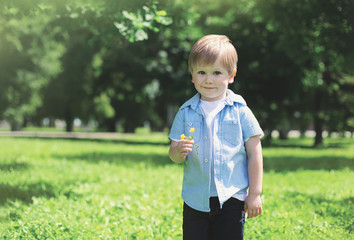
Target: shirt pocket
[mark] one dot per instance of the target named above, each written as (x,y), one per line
(231,132)
(196,133)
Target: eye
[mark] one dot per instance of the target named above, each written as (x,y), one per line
(217,73)
(201,72)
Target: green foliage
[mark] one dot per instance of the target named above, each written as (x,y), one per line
(50,53)
(135,23)
(27,60)
(125,62)
(314,34)
(103,106)
(128,189)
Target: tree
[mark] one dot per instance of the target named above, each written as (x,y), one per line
(315,35)
(79,32)
(126,61)
(28,58)
(124,79)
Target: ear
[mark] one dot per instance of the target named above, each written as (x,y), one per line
(232,76)
(192,76)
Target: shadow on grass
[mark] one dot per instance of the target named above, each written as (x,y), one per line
(277,164)
(25,193)
(342,210)
(308,143)
(105,140)
(304,146)
(13,166)
(126,159)
(281,164)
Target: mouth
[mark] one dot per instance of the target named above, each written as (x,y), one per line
(208,88)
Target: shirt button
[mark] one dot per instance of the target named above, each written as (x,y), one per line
(206,160)
(205,137)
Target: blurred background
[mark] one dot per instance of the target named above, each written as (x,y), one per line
(119,66)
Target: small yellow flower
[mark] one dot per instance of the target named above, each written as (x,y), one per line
(191,130)
(183,136)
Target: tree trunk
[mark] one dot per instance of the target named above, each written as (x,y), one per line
(25,122)
(51,122)
(15,126)
(283,134)
(318,129)
(69,120)
(268,138)
(129,127)
(170,114)
(111,125)
(320,109)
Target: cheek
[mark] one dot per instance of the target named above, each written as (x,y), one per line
(222,82)
(196,80)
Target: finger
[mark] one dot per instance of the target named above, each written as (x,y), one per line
(187,141)
(187,148)
(185,152)
(252,213)
(185,144)
(255,212)
(249,213)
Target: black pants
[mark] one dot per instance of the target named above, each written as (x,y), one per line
(219,224)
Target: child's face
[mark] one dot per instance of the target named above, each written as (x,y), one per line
(211,81)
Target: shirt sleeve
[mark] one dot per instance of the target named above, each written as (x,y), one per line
(177,127)
(249,123)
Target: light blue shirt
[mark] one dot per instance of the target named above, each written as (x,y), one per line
(233,126)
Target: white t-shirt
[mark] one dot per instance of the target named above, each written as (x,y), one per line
(211,109)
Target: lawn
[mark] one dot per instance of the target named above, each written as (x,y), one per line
(129,189)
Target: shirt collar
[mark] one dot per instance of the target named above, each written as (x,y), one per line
(231,98)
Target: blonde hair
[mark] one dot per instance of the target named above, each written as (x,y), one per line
(209,48)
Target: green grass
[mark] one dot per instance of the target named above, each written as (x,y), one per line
(129,189)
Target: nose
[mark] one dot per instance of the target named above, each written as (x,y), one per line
(208,79)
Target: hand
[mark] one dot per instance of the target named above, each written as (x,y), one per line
(184,147)
(179,150)
(253,205)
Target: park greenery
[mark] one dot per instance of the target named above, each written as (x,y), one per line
(126,61)
(127,188)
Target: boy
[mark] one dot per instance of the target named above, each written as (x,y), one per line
(222,153)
